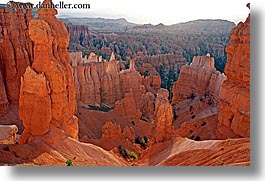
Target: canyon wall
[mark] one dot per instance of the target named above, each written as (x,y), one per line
(47,99)
(234,116)
(103,83)
(200,78)
(196,99)
(16,48)
(80,37)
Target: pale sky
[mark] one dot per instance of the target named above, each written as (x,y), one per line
(159,11)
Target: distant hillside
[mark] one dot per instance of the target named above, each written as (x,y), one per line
(205,26)
(121,24)
(100,24)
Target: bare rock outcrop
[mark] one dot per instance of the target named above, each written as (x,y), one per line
(128,107)
(196,99)
(148,106)
(163,117)
(111,131)
(47,94)
(234,116)
(104,83)
(197,79)
(97,83)
(113,73)
(129,133)
(131,80)
(16,48)
(151,78)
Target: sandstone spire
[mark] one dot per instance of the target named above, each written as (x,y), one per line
(112,67)
(47,8)
(132,63)
(47,94)
(164,117)
(112,57)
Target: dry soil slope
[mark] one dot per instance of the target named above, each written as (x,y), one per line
(185,152)
(57,154)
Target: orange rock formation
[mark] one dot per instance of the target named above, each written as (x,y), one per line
(50,87)
(127,107)
(197,79)
(234,116)
(151,78)
(16,48)
(196,99)
(47,92)
(163,117)
(105,83)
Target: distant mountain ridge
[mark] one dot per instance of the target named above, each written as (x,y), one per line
(100,23)
(122,24)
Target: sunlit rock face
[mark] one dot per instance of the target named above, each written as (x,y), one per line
(47,99)
(234,116)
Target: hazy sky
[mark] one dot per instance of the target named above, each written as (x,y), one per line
(160,11)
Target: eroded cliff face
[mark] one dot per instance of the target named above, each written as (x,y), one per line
(196,99)
(104,83)
(151,78)
(48,94)
(234,116)
(16,48)
(163,117)
(80,34)
(197,79)
(47,99)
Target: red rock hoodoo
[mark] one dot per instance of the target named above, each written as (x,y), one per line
(196,99)
(47,94)
(234,116)
(197,79)
(105,83)
(163,117)
(118,107)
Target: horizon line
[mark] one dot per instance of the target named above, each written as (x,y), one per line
(64,16)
